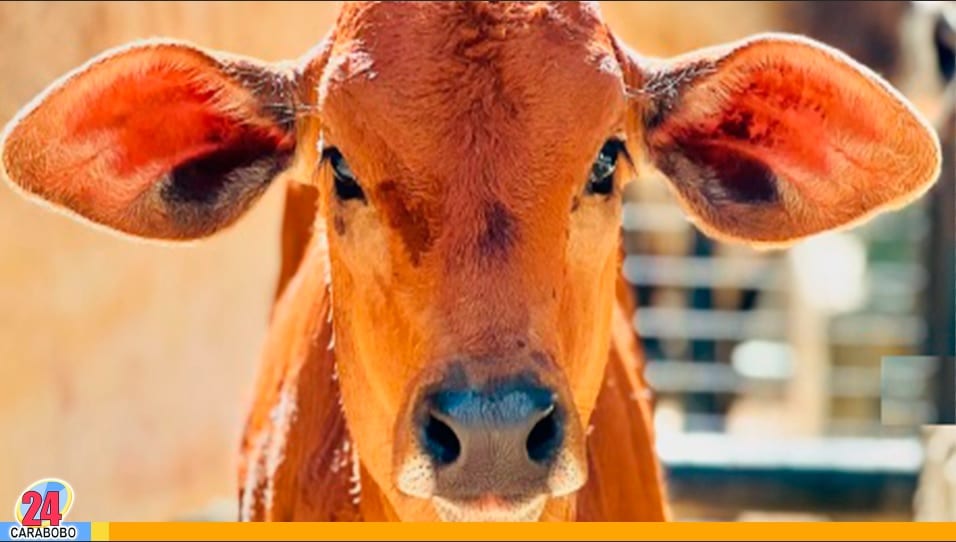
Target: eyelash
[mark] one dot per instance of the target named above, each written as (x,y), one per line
(600,178)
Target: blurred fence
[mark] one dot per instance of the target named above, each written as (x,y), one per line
(767,365)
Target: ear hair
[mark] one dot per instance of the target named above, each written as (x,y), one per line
(309,69)
(767,140)
(234,111)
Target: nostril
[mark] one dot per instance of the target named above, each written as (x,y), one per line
(440,441)
(545,437)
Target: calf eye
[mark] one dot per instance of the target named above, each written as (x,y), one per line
(601,178)
(345,184)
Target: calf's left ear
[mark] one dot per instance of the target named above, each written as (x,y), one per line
(777,137)
(159,139)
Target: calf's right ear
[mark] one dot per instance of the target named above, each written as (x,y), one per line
(159,140)
(775,138)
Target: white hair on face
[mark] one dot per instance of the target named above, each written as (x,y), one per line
(526,511)
(355,480)
(248,500)
(282,415)
(566,475)
(416,477)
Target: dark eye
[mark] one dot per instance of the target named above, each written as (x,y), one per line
(346,187)
(601,178)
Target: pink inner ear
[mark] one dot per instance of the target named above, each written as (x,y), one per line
(803,128)
(166,117)
(778,138)
(159,141)
(819,123)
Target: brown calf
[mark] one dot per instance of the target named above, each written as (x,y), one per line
(450,338)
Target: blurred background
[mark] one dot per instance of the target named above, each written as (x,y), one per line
(127,367)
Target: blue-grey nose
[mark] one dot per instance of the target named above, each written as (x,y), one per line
(501,439)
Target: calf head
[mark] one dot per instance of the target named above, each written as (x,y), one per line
(470,160)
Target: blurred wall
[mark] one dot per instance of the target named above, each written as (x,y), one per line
(126,366)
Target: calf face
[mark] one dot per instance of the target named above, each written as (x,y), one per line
(470,160)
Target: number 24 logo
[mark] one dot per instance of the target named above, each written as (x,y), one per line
(44,503)
(47,505)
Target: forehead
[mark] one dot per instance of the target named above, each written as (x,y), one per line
(449,78)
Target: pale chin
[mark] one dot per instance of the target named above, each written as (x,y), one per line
(416,478)
(527,510)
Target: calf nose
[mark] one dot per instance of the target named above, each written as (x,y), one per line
(500,440)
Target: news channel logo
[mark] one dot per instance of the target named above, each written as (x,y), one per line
(40,511)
